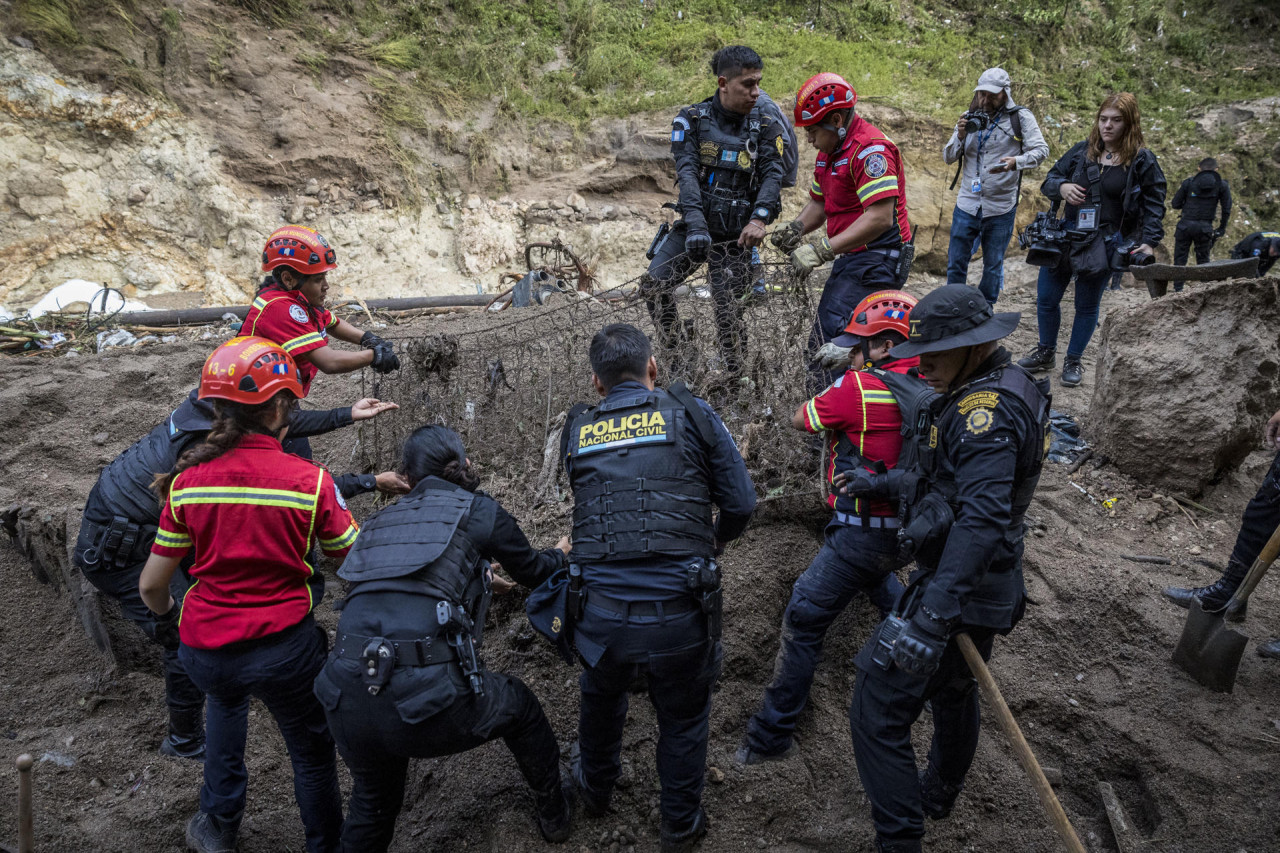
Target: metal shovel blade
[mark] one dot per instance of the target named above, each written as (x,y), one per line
(1208,650)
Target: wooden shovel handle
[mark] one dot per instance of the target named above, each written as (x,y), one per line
(26,830)
(1259,568)
(1057,817)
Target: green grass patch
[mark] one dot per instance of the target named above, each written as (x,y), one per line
(52,21)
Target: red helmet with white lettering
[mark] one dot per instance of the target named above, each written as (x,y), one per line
(249,370)
(884,311)
(300,249)
(821,94)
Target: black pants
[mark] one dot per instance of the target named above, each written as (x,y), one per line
(885,705)
(729,275)
(376,743)
(1188,232)
(853,278)
(1261,518)
(682,666)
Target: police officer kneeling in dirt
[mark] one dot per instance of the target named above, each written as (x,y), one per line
(977,464)
(404,680)
(646,466)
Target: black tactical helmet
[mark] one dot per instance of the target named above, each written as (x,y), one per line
(954,316)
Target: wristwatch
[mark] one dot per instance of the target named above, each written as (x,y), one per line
(761,213)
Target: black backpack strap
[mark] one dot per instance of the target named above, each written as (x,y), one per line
(570,416)
(701,423)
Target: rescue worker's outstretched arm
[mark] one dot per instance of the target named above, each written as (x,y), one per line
(508,546)
(684,148)
(153,584)
(330,360)
(731,487)
(344,331)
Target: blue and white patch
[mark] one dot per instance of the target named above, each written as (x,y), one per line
(876,166)
(728,155)
(338,494)
(677,136)
(681,121)
(297,312)
(839,163)
(862,155)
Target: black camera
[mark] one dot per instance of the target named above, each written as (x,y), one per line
(1127,255)
(1044,239)
(975,122)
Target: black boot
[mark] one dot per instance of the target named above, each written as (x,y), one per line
(1270,649)
(911,846)
(1214,597)
(937,798)
(1072,372)
(555,817)
(1040,358)
(203,837)
(684,841)
(186,734)
(594,803)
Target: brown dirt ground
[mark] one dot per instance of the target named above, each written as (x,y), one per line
(1087,672)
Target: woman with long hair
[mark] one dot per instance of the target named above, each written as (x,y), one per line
(249,514)
(404,680)
(1114,192)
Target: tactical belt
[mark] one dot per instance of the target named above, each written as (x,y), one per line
(670,607)
(423,652)
(869,521)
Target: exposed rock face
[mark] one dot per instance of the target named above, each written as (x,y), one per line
(1185,383)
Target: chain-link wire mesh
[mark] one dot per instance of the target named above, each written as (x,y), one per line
(504,381)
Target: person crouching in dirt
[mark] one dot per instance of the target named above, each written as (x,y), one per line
(729,169)
(404,680)
(251,514)
(1261,518)
(289,310)
(978,463)
(1263,245)
(118,528)
(863,422)
(646,466)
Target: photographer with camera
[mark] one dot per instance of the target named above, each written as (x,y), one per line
(1114,192)
(994,141)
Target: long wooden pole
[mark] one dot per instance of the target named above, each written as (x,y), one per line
(26,826)
(1048,799)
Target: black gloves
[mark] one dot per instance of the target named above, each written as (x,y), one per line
(167,629)
(1218,232)
(384,357)
(696,245)
(369,340)
(788,238)
(919,648)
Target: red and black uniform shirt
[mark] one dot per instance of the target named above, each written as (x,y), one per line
(251,516)
(861,407)
(285,317)
(865,169)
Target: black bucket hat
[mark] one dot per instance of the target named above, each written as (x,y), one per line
(953,316)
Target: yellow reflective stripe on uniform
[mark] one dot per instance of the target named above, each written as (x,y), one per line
(301,341)
(870,188)
(862,434)
(259,303)
(815,423)
(879,397)
(333,321)
(343,541)
(311,529)
(238,495)
(169,539)
(814,188)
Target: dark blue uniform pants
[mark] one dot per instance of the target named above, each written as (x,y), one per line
(885,705)
(682,666)
(1187,233)
(376,743)
(729,275)
(853,278)
(852,560)
(279,670)
(1261,518)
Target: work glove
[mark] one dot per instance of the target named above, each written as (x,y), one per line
(833,357)
(810,256)
(786,239)
(369,340)
(1218,232)
(918,649)
(167,629)
(384,358)
(696,245)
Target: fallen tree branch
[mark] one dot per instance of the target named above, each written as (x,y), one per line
(1083,458)
(201,316)
(1145,558)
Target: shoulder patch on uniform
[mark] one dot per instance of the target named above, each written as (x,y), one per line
(979,421)
(682,121)
(622,431)
(298,313)
(337,493)
(677,136)
(839,163)
(778,142)
(862,155)
(979,400)
(876,166)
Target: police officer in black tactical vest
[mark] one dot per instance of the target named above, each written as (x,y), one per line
(119,526)
(647,466)
(405,679)
(977,453)
(729,152)
(1199,198)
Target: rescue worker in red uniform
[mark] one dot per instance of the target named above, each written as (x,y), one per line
(250,514)
(860,416)
(289,310)
(859,190)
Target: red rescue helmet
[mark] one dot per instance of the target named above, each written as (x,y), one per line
(821,94)
(884,311)
(300,249)
(249,370)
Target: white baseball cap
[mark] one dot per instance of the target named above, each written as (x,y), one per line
(994,80)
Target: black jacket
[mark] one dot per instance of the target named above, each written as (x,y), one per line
(1144,197)
(1199,196)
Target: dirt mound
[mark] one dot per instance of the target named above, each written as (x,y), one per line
(1184,383)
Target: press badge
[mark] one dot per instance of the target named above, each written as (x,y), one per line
(976,186)
(1087,219)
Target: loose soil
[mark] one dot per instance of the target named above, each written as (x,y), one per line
(1087,672)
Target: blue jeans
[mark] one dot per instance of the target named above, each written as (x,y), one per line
(279,670)
(1050,288)
(994,233)
(851,560)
